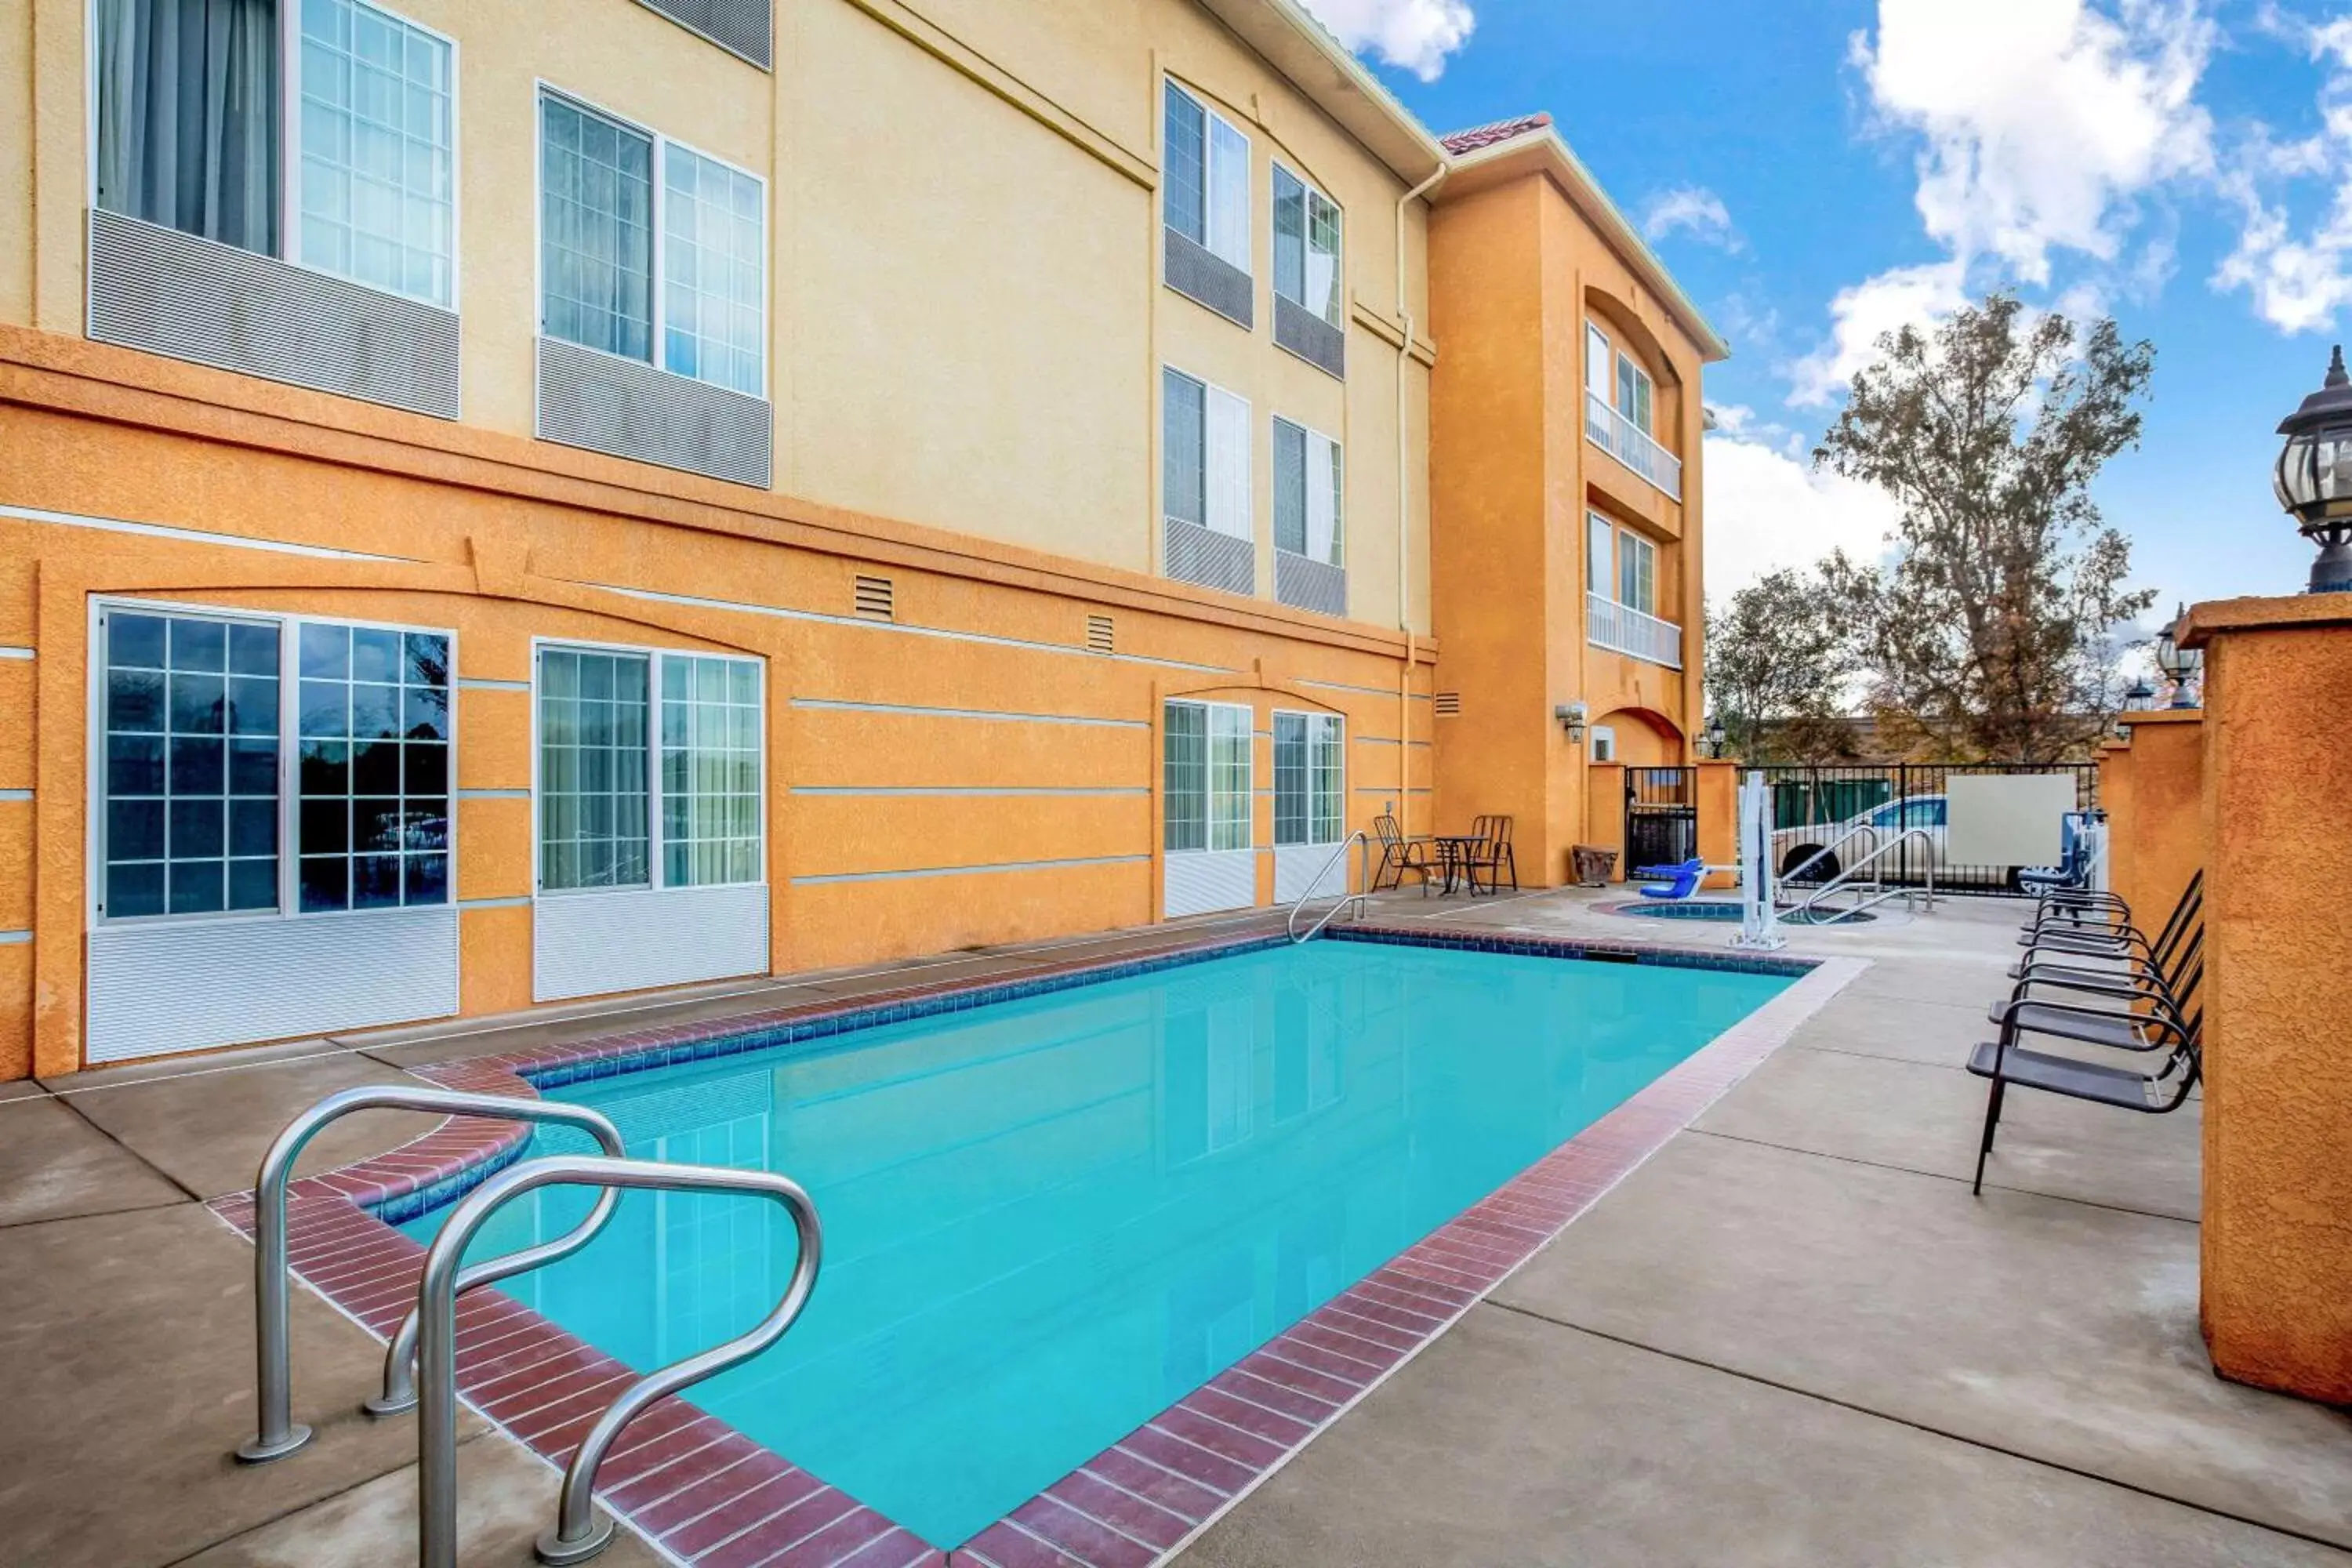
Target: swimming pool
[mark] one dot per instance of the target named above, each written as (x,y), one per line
(1048,1219)
(1717,911)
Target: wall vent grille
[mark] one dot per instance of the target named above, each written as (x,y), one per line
(1449,705)
(1305,583)
(1196,554)
(1098,635)
(155,289)
(875,596)
(742,28)
(1203,276)
(1310,337)
(630,409)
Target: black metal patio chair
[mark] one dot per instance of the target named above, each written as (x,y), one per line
(2152,1094)
(1491,854)
(1398,855)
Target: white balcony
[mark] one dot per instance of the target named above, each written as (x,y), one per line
(1624,629)
(1631,444)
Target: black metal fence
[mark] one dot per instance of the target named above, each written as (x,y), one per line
(1814,807)
(1660,816)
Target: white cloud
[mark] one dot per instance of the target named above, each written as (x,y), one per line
(1904,296)
(1767,509)
(2041,118)
(1412,34)
(2298,281)
(1695,210)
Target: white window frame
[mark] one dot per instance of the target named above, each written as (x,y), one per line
(1338,261)
(1209,780)
(1338,469)
(1640,556)
(1601,360)
(290,147)
(1213,238)
(657,867)
(1315,719)
(1238,508)
(290,739)
(1600,538)
(1642,414)
(657,220)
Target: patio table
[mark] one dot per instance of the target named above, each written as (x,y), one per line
(1453,853)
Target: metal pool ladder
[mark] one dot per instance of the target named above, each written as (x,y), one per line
(430,1330)
(1347,900)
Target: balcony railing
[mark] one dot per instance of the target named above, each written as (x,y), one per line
(1624,629)
(1631,444)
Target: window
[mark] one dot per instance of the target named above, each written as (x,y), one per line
(1206,196)
(1616,380)
(373,777)
(199,737)
(599,827)
(1206,799)
(1598,359)
(689,298)
(1306,245)
(1205,455)
(192,135)
(1633,393)
(1600,559)
(1306,481)
(1637,572)
(1604,744)
(1308,808)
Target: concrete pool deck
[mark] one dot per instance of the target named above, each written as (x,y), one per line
(1791,1336)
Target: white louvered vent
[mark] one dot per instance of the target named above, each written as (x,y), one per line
(630,409)
(742,27)
(875,599)
(1098,635)
(1309,584)
(1214,559)
(1449,705)
(155,289)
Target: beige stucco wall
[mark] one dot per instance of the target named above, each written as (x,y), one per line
(966,322)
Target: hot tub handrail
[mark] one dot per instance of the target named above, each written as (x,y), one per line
(1347,900)
(579,1533)
(279,1434)
(1845,877)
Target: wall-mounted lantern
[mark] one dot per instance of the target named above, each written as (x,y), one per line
(1716,739)
(2315,476)
(1572,717)
(2180,665)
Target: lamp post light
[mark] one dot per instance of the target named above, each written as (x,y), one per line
(2315,476)
(2139,696)
(1714,738)
(2180,665)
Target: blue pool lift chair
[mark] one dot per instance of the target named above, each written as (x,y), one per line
(1681,881)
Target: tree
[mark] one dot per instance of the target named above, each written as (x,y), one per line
(1991,634)
(1780,658)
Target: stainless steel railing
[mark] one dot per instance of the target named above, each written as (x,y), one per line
(1844,880)
(579,1533)
(1347,900)
(279,1434)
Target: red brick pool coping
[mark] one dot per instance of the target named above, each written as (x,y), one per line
(709,1496)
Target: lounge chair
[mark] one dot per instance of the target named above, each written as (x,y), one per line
(2153,1094)
(1681,881)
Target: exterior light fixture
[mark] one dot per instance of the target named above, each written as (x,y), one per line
(2315,476)
(2180,665)
(1716,738)
(1571,716)
(2139,696)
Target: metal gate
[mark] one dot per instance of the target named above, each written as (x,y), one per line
(1661,817)
(1813,807)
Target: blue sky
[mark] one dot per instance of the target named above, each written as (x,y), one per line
(1816,171)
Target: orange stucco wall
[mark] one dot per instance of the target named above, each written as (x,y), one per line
(2277,1235)
(2153,789)
(1515,272)
(936,744)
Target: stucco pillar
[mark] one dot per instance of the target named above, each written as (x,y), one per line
(2277,1237)
(1718,818)
(2153,788)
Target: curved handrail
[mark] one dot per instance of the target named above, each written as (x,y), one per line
(279,1434)
(1838,881)
(1828,849)
(579,1533)
(1290,926)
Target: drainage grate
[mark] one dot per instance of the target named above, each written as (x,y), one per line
(1098,633)
(1449,705)
(875,599)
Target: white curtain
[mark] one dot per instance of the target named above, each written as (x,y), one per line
(1229,465)
(1322,498)
(187,116)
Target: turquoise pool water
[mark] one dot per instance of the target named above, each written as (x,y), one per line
(1048,1219)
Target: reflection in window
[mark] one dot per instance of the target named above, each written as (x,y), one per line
(373,823)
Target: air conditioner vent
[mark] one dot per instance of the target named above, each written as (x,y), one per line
(1449,705)
(875,599)
(1098,633)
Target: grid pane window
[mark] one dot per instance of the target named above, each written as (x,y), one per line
(1206,193)
(190,786)
(1185,786)
(1307,477)
(593,829)
(1185,205)
(1637,573)
(1184,448)
(1325,771)
(373,767)
(713,272)
(1306,245)
(378,174)
(711,771)
(1229,777)
(598,237)
(1291,769)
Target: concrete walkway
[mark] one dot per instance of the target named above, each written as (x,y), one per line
(1792,1336)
